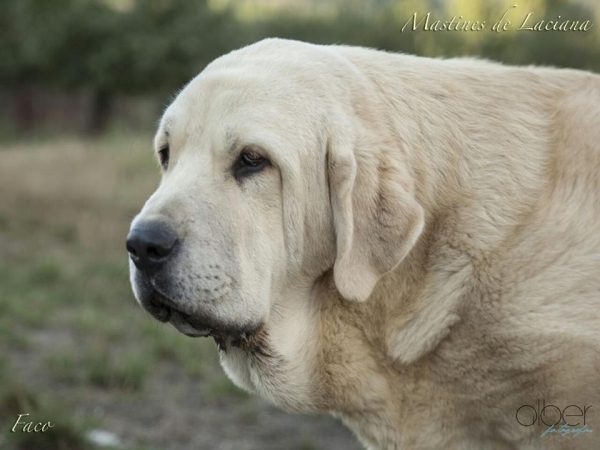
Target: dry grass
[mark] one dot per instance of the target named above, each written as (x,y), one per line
(74,347)
(70,321)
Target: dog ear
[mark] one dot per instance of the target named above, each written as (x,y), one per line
(377,219)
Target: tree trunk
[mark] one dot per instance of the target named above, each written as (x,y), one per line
(24,113)
(100,110)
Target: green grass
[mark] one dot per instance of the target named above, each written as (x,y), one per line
(70,330)
(101,369)
(128,373)
(197,357)
(306,443)
(45,273)
(222,388)
(246,412)
(10,339)
(67,432)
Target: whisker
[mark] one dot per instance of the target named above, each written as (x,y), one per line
(286,306)
(275,310)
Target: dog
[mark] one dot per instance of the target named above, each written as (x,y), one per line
(409,244)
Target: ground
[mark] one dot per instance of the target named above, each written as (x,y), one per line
(76,350)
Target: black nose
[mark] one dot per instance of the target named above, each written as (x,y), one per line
(150,244)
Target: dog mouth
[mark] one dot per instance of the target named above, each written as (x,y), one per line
(186,325)
(165,310)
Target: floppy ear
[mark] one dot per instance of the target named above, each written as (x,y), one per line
(377,219)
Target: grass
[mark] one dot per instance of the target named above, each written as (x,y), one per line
(67,432)
(196,356)
(67,307)
(100,369)
(72,339)
(222,388)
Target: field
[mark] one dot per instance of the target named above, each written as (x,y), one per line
(76,350)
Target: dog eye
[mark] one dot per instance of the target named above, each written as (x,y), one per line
(163,156)
(250,162)
(252,159)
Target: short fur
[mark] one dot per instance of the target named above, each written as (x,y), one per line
(422,257)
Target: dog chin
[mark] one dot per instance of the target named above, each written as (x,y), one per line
(164,309)
(249,338)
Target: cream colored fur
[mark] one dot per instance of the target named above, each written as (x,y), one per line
(424,250)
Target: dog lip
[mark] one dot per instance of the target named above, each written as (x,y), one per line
(160,312)
(157,304)
(190,328)
(165,310)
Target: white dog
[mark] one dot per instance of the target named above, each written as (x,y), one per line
(410,244)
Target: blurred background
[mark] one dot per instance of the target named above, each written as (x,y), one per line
(82,86)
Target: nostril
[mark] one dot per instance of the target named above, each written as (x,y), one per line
(157,251)
(131,249)
(149,244)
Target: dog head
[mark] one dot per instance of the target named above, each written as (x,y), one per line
(274,172)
